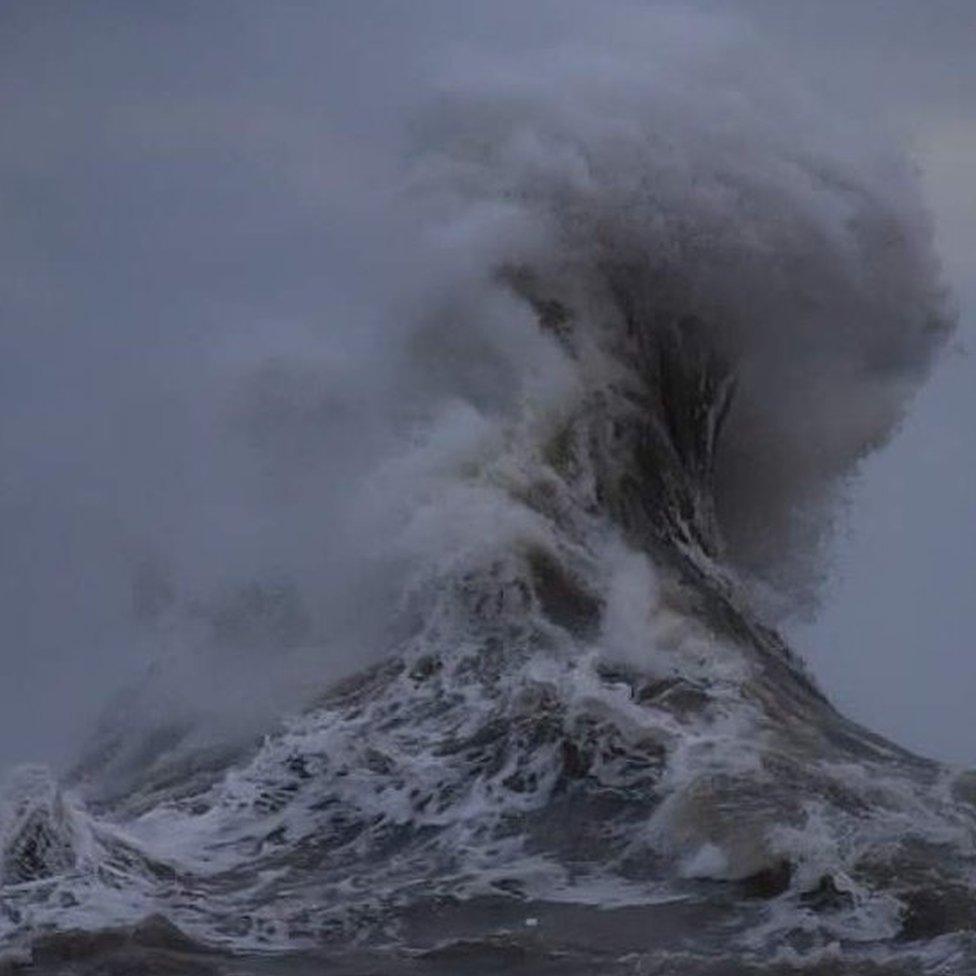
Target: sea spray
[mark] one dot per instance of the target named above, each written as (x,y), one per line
(662,307)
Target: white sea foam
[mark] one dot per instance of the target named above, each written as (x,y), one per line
(660,307)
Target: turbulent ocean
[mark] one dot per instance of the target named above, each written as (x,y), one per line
(520,702)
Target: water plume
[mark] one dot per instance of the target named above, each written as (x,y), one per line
(638,313)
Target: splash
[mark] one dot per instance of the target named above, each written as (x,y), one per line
(664,309)
(750,283)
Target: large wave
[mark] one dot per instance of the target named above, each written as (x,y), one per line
(657,309)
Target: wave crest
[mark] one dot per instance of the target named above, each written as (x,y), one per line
(678,240)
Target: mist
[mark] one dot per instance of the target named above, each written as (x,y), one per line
(242,348)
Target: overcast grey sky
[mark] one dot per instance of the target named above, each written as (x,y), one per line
(895,644)
(183,179)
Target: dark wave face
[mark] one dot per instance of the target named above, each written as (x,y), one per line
(706,255)
(661,310)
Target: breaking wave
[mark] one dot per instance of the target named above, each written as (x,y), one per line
(660,311)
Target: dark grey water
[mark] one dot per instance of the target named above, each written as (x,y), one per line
(544,512)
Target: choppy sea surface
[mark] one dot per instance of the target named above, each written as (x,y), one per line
(583,746)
